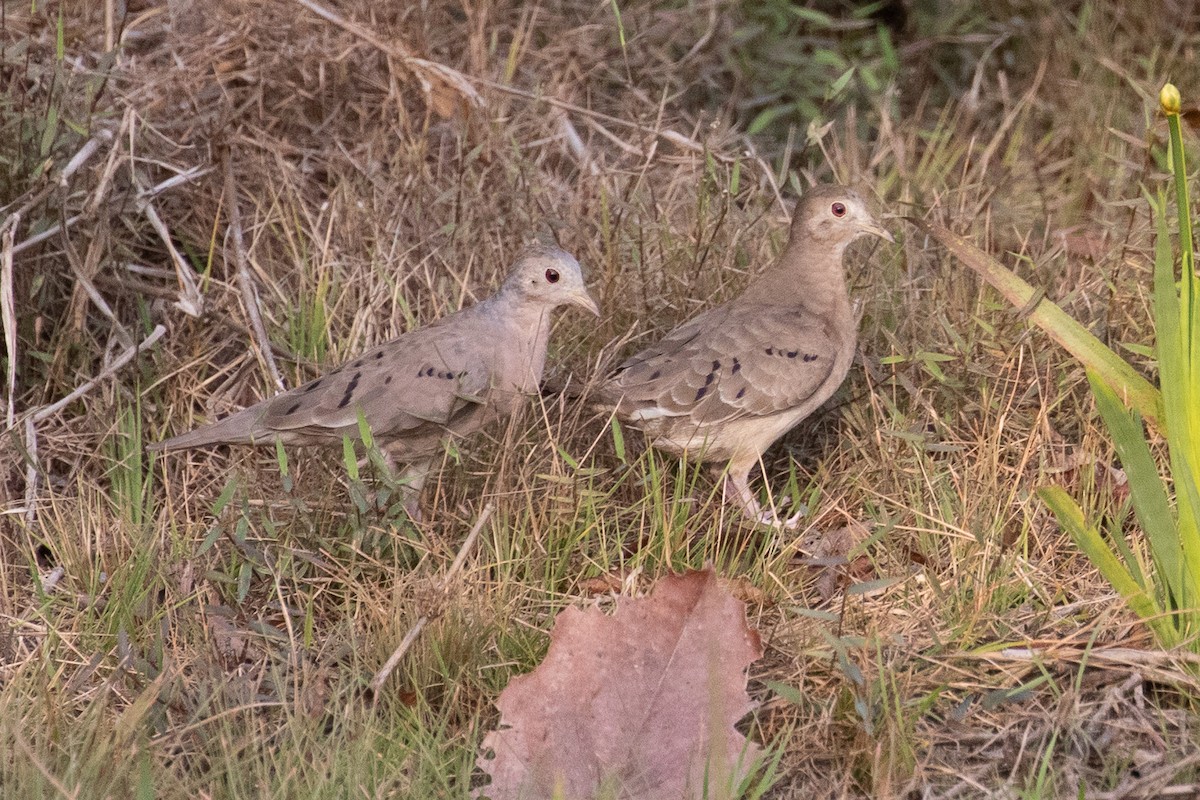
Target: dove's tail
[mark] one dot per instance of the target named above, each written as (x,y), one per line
(240,428)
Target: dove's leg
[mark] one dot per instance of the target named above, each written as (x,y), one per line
(411,480)
(736,487)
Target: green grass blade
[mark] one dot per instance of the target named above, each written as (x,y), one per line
(1147,490)
(1135,390)
(1133,560)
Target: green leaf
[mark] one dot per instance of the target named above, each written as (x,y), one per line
(838,85)
(243,585)
(350,458)
(866,587)
(281,457)
(789,693)
(225,496)
(567,457)
(767,116)
(817,19)
(887,50)
(50,131)
(618,440)
(210,539)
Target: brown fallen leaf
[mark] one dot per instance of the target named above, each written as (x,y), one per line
(607,583)
(640,704)
(827,558)
(747,591)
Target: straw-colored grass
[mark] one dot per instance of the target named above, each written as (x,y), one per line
(201,625)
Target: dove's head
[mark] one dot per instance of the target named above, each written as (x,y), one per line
(550,276)
(834,215)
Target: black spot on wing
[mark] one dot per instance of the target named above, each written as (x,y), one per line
(737,367)
(292,409)
(350,387)
(387,380)
(741,393)
(378,355)
(656,375)
(314,385)
(810,357)
(703,390)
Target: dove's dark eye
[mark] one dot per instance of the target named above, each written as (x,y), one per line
(838,209)
(552,276)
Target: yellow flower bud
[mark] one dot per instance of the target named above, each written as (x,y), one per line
(1168,98)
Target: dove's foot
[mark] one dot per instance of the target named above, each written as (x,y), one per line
(770,516)
(735,488)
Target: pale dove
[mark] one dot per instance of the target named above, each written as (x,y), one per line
(725,385)
(446,380)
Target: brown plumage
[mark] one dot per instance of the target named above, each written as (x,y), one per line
(446,380)
(725,385)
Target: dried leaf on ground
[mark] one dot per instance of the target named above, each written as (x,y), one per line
(828,554)
(641,703)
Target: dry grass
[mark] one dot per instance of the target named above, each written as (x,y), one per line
(199,626)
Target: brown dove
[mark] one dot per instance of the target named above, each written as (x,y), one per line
(446,380)
(724,386)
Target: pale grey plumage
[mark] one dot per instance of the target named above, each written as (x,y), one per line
(447,379)
(725,385)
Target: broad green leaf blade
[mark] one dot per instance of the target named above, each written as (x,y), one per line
(1179,375)
(1187,491)
(1070,516)
(1135,390)
(1147,490)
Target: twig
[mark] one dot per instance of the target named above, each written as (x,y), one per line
(190,300)
(80,158)
(31,470)
(8,308)
(46,234)
(576,146)
(186,176)
(410,637)
(84,280)
(85,387)
(245,285)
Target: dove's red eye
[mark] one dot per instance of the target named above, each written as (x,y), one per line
(552,276)
(838,209)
